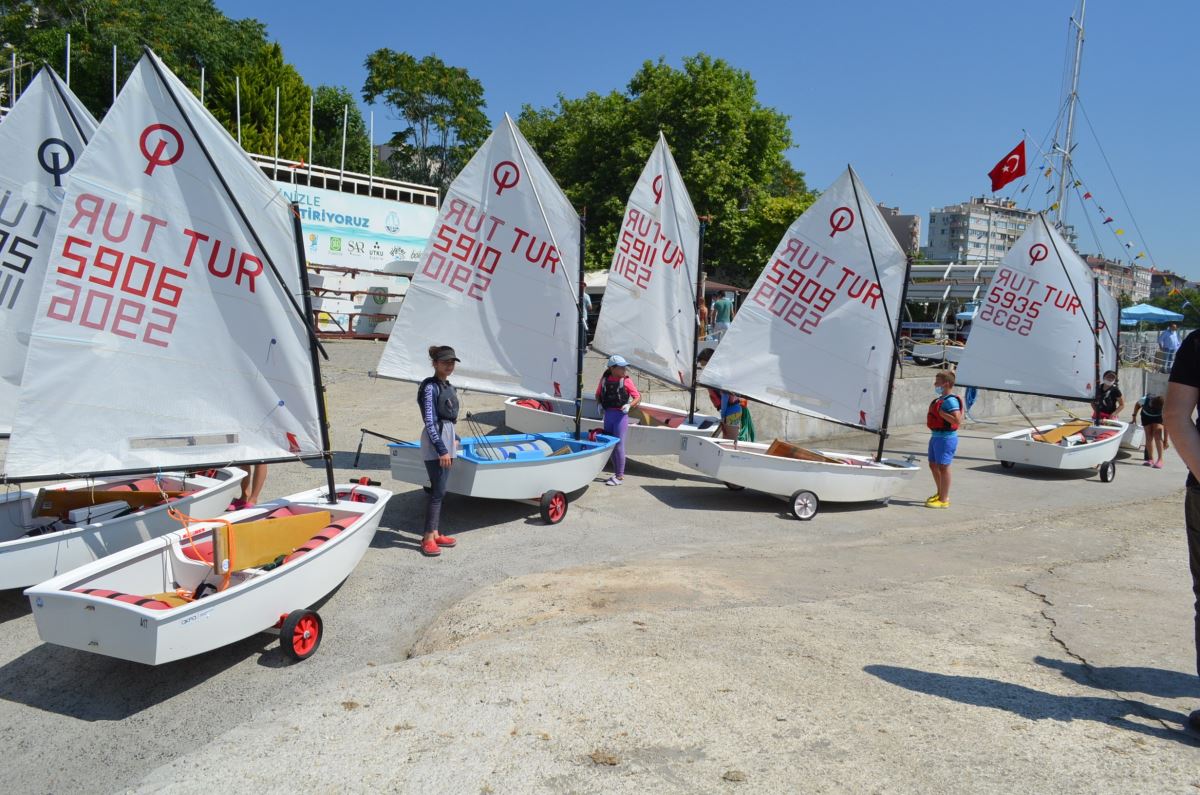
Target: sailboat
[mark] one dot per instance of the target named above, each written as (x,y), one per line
(65,524)
(1047,327)
(817,335)
(648,315)
(186,347)
(501,283)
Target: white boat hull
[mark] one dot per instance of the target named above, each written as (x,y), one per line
(640,440)
(28,559)
(935,352)
(1134,438)
(475,474)
(254,601)
(747,464)
(1019,448)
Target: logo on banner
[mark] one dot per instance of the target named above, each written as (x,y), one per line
(392,223)
(56,158)
(656,187)
(312,243)
(506,175)
(840,220)
(162,143)
(1037,253)
(335,244)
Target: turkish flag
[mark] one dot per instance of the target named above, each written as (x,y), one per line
(1010,168)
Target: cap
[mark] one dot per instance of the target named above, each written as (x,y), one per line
(447,355)
(617,360)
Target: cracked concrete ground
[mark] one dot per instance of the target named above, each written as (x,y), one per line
(673,636)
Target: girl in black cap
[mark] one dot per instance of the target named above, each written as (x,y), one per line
(439,442)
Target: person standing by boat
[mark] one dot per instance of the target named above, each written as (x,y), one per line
(1109,401)
(1168,344)
(617,395)
(439,441)
(944,417)
(1151,408)
(252,486)
(1183,395)
(731,407)
(722,314)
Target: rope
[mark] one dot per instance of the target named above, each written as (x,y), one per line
(187,522)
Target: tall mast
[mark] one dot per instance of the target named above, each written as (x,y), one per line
(697,298)
(580,329)
(1064,168)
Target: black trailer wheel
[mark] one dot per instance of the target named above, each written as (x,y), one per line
(1108,471)
(301,634)
(1007,464)
(553,506)
(804,505)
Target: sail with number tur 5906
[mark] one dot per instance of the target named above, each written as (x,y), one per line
(498,281)
(168,331)
(817,332)
(1035,332)
(41,140)
(649,310)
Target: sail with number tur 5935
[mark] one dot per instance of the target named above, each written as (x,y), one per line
(1035,332)
(168,331)
(649,310)
(41,140)
(498,281)
(817,332)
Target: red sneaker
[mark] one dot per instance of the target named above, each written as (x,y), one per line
(429,548)
(239,504)
(444,541)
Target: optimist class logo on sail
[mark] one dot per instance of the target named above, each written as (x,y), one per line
(125,272)
(802,282)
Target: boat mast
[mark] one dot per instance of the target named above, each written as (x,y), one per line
(1064,169)
(1096,347)
(697,298)
(580,329)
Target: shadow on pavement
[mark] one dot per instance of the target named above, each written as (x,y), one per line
(1030,472)
(13,605)
(1128,678)
(1036,705)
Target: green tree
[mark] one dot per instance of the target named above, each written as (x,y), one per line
(259,78)
(730,149)
(329,104)
(1124,301)
(442,106)
(186,34)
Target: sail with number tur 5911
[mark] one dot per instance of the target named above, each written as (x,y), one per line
(649,310)
(169,331)
(41,140)
(817,332)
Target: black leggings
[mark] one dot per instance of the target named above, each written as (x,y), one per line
(439,477)
(1192,520)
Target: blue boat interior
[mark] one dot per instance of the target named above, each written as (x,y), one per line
(525,447)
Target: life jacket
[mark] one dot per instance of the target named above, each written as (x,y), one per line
(613,394)
(934,421)
(445,399)
(1106,400)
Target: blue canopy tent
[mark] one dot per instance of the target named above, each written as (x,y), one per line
(1145,313)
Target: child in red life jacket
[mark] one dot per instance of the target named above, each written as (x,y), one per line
(617,395)
(944,417)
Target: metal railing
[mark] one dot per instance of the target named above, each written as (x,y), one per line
(306,174)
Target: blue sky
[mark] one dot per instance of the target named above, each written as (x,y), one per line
(922,97)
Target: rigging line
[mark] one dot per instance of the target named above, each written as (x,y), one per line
(1092,327)
(1091,226)
(1104,155)
(1041,147)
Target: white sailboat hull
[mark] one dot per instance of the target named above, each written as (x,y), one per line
(254,601)
(747,464)
(641,439)
(524,477)
(1018,447)
(936,353)
(28,559)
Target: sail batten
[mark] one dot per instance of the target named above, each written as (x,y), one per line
(816,333)
(649,312)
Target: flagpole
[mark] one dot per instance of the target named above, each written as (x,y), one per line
(345,121)
(68,60)
(371,154)
(275,168)
(237,90)
(201,84)
(12,81)
(114,74)
(311,104)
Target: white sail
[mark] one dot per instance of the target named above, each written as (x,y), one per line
(649,312)
(162,338)
(1108,329)
(1034,331)
(816,333)
(41,140)
(498,281)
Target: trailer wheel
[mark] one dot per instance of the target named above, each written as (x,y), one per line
(301,634)
(553,506)
(733,486)
(1108,471)
(804,505)
(1007,464)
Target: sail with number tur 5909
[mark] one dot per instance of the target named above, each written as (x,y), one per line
(817,332)
(498,281)
(649,310)
(1035,332)
(41,140)
(168,331)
